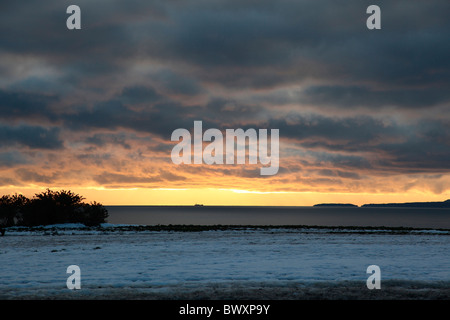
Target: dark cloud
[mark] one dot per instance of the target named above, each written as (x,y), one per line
(425,148)
(244,43)
(160,119)
(274,44)
(365,142)
(348,133)
(345,161)
(139,70)
(139,95)
(103,139)
(230,111)
(173,83)
(23,105)
(358,96)
(94,158)
(30,136)
(13,159)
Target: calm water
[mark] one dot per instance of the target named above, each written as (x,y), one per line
(320,216)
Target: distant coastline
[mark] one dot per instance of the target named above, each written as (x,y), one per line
(439,204)
(443,204)
(335,205)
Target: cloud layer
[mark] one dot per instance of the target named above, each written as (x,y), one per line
(358,110)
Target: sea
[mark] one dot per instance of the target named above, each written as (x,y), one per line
(432,218)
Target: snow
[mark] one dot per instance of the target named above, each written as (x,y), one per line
(33,263)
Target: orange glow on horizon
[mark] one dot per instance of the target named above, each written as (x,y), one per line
(232,197)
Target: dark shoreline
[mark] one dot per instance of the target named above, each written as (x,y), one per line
(200,228)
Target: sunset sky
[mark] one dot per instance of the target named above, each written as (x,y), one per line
(363,115)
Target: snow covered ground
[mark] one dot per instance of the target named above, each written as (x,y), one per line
(122,263)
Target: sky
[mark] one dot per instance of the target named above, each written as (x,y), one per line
(363,115)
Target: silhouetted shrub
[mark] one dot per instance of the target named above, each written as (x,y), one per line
(50,207)
(11,209)
(94,214)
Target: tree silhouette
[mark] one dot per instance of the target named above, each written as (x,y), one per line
(50,207)
(11,209)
